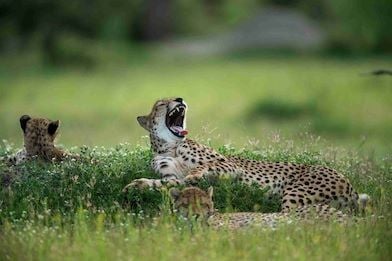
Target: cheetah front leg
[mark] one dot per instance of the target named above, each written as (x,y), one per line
(214,169)
(144,183)
(170,171)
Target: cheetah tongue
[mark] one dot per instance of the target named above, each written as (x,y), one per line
(179,130)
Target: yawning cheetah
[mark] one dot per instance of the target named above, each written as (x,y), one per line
(180,160)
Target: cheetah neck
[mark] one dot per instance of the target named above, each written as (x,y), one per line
(46,151)
(163,147)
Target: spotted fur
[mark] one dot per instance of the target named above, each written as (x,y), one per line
(179,160)
(193,201)
(39,136)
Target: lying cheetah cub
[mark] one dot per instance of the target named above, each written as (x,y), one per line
(194,201)
(39,135)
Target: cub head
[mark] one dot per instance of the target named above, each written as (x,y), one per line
(193,201)
(167,120)
(38,133)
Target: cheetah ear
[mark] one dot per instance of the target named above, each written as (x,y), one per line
(174,193)
(52,128)
(143,121)
(210,192)
(23,121)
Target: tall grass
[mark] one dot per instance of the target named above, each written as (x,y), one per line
(88,238)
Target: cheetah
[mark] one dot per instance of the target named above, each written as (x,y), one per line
(39,135)
(179,160)
(194,202)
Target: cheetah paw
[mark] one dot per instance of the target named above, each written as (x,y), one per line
(192,179)
(142,183)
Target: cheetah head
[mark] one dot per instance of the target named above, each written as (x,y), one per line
(193,201)
(39,134)
(167,119)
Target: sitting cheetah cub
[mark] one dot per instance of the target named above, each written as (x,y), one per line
(194,201)
(39,135)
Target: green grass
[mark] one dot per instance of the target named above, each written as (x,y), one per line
(299,109)
(91,239)
(99,107)
(77,210)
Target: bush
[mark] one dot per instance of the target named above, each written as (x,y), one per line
(96,182)
(361,25)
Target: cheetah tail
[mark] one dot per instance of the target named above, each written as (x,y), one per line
(363,200)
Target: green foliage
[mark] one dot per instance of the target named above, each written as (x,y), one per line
(362,25)
(95,183)
(48,24)
(356,26)
(92,238)
(77,210)
(353,26)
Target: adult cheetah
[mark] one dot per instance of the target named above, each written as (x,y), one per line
(179,160)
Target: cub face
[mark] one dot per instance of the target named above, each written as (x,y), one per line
(167,119)
(39,133)
(193,201)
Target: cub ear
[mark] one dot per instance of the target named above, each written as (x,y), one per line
(143,121)
(23,121)
(210,192)
(52,128)
(174,193)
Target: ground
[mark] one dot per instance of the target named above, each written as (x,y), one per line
(299,109)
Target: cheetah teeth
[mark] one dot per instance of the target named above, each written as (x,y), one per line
(177,109)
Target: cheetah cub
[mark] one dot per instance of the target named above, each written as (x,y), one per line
(192,201)
(39,135)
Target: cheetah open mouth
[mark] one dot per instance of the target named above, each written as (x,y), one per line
(175,121)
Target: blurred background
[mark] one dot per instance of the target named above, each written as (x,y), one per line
(253,72)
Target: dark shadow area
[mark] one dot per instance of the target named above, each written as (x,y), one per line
(279,110)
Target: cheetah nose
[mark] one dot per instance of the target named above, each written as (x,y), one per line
(178,100)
